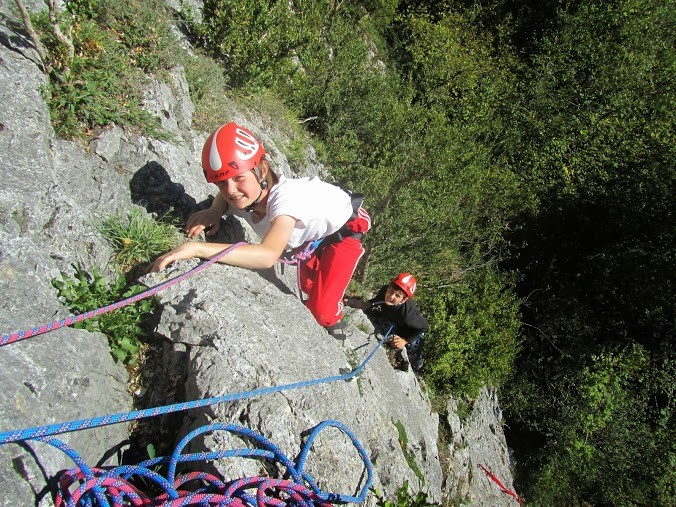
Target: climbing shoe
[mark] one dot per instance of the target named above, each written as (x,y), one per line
(338,330)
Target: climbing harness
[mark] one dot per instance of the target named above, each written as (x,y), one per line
(304,252)
(502,487)
(87,486)
(297,257)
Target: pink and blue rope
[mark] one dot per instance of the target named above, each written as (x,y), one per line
(51,326)
(84,486)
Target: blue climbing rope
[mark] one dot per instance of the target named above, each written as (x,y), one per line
(115,487)
(81,424)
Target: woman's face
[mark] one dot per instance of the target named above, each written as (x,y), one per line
(240,190)
(394,296)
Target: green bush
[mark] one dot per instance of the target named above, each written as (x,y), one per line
(604,443)
(114,45)
(473,335)
(253,39)
(86,291)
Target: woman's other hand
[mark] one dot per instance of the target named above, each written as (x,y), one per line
(207,220)
(398,342)
(185,251)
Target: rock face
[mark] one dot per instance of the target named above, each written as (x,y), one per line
(226,330)
(236,331)
(477,440)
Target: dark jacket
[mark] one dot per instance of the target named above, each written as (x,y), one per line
(408,322)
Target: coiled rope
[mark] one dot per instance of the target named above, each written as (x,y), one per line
(90,487)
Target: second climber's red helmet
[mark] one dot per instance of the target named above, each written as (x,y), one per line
(406,282)
(230,150)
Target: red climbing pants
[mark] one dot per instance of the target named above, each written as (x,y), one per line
(324,277)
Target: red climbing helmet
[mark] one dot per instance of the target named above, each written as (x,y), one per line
(407,283)
(229,151)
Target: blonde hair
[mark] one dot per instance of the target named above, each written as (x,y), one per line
(270,176)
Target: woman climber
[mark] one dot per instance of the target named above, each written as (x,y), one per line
(287,213)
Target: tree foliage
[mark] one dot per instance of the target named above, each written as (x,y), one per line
(595,123)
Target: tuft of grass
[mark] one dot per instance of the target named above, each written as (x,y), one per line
(208,91)
(403,498)
(138,238)
(85,291)
(408,455)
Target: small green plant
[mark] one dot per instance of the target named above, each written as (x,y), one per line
(137,238)
(363,327)
(150,449)
(410,459)
(464,408)
(86,291)
(403,498)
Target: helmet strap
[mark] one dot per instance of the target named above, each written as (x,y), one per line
(264,185)
(250,208)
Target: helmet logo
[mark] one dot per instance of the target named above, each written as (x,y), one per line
(246,147)
(215,162)
(409,282)
(247,142)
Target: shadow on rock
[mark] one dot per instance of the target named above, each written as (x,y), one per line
(152,188)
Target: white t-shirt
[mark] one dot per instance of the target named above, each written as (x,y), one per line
(320,209)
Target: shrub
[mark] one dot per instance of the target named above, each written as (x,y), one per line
(254,39)
(86,291)
(143,28)
(473,335)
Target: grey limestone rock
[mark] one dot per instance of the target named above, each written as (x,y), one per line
(478,440)
(240,332)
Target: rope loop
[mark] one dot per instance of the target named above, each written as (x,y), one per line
(118,486)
